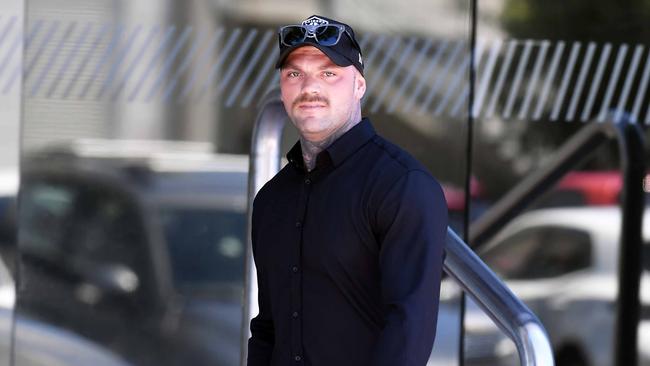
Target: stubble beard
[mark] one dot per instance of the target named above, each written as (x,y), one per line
(303,123)
(310,148)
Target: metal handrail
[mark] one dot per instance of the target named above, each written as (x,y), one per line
(498,302)
(631,146)
(490,293)
(580,147)
(264,164)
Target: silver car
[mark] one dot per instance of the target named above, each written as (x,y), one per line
(562,263)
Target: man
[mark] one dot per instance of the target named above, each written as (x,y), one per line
(348,237)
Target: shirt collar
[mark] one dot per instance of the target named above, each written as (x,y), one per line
(340,149)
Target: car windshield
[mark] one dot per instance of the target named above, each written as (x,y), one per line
(206,248)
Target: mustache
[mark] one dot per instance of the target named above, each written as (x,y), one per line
(310,98)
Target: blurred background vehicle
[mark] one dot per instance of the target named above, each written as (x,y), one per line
(562,262)
(141,254)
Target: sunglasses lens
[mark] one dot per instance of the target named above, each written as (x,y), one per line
(293,35)
(327,35)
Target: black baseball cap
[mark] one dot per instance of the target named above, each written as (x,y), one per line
(345,52)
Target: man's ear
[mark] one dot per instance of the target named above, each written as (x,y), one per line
(359,85)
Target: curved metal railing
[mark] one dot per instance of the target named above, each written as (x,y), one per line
(498,302)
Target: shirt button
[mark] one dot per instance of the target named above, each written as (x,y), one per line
(297,358)
(295,314)
(294,269)
(298,224)
(307,181)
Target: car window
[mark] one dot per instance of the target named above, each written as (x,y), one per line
(542,252)
(44,212)
(512,257)
(564,250)
(86,224)
(85,233)
(106,230)
(207,247)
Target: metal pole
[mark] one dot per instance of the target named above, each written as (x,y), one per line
(264,164)
(576,150)
(632,156)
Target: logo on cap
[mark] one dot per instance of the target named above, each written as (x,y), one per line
(314,22)
(311,25)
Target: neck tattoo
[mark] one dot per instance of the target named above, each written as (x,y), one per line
(311,149)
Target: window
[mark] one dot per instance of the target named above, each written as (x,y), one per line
(81,224)
(565,250)
(82,235)
(543,252)
(207,247)
(513,257)
(44,211)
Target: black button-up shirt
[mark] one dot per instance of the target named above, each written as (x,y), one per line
(349,257)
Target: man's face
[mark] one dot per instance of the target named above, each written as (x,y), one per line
(318,95)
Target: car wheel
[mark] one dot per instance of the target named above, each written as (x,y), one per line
(570,356)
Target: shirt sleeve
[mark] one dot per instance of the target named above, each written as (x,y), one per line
(412,224)
(260,344)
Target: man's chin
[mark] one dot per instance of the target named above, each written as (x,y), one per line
(309,123)
(310,131)
(314,114)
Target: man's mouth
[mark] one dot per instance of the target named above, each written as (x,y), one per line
(308,106)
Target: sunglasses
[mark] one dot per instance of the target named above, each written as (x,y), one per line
(324,35)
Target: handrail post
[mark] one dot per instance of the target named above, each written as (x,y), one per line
(631,146)
(264,164)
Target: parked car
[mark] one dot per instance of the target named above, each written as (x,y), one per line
(563,264)
(134,257)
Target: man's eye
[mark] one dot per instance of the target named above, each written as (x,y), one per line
(328,73)
(293,74)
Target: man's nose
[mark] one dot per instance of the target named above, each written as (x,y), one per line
(310,84)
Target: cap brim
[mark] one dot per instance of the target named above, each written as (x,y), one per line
(333,55)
